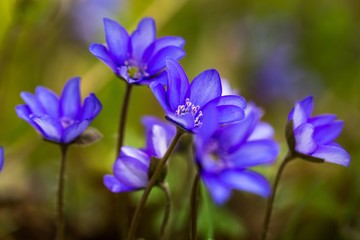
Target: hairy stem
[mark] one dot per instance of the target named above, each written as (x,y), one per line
(122,119)
(270,202)
(165,188)
(136,217)
(194,206)
(60,195)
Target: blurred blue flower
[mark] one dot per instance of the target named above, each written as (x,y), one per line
(1,158)
(314,136)
(59,120)
(193,106)
(139,58)
(131,168)
(224,156)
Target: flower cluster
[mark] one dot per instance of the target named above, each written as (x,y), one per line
(229,137)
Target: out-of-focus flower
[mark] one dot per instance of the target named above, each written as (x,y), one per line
(224,156)
(1,158)
(192,106)
(131,168)
(59,120)
(139,58)
(313,138)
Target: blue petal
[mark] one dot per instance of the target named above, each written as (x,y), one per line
(49,101)
(247,181)
(298,116)
(33,103)
(157,62)
(328,133)
(307,104)
(114,185)
(135,153)
(158,135)
(92,107)
(304,139)
(234,135)
(205,87)
(333,154)
(233,100)
(178,83)
(159,92)
(186,121)
(254,153)
(117,40)
(49,127)
(131,172)
(229,113)
(219,192)
(161,43)
(74,131)
(1,158)
(210,121)
(142,37)
(161,78)
(262,130)
(100,51)
(70,101)
(24,112)
(322,119)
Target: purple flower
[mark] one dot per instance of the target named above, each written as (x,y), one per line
(131,168)
(1,158)
(313,137)
(139,58)
(224,156)
(192,106)
(59,120)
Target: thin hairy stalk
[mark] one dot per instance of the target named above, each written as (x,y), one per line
(60,195)
(270,202)
(194,205)
(154,178)
(122,200)
(122,119)
(165,188)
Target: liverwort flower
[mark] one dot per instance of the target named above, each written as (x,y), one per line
(225,156)
(313,137)
(138,58)
(191,106)
(132,167)
(59,119)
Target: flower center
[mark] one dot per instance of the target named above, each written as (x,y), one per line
(189,108)
(136,70)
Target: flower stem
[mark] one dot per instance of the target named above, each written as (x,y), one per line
(194,206)
(122,119)
(165,188)
(270,202)
(136,218)
(60,194)
(122,201)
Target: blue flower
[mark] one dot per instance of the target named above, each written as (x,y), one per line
(139,58)
(193,106)
(1,158)
(59,120)
(131,168)
(224,156)
(314,137)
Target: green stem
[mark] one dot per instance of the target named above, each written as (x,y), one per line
(194,206)
(60,194)
(136,218)
(122,119)
(122,201)
(270,203)
(165,188)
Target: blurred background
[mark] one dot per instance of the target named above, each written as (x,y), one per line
(272,52)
